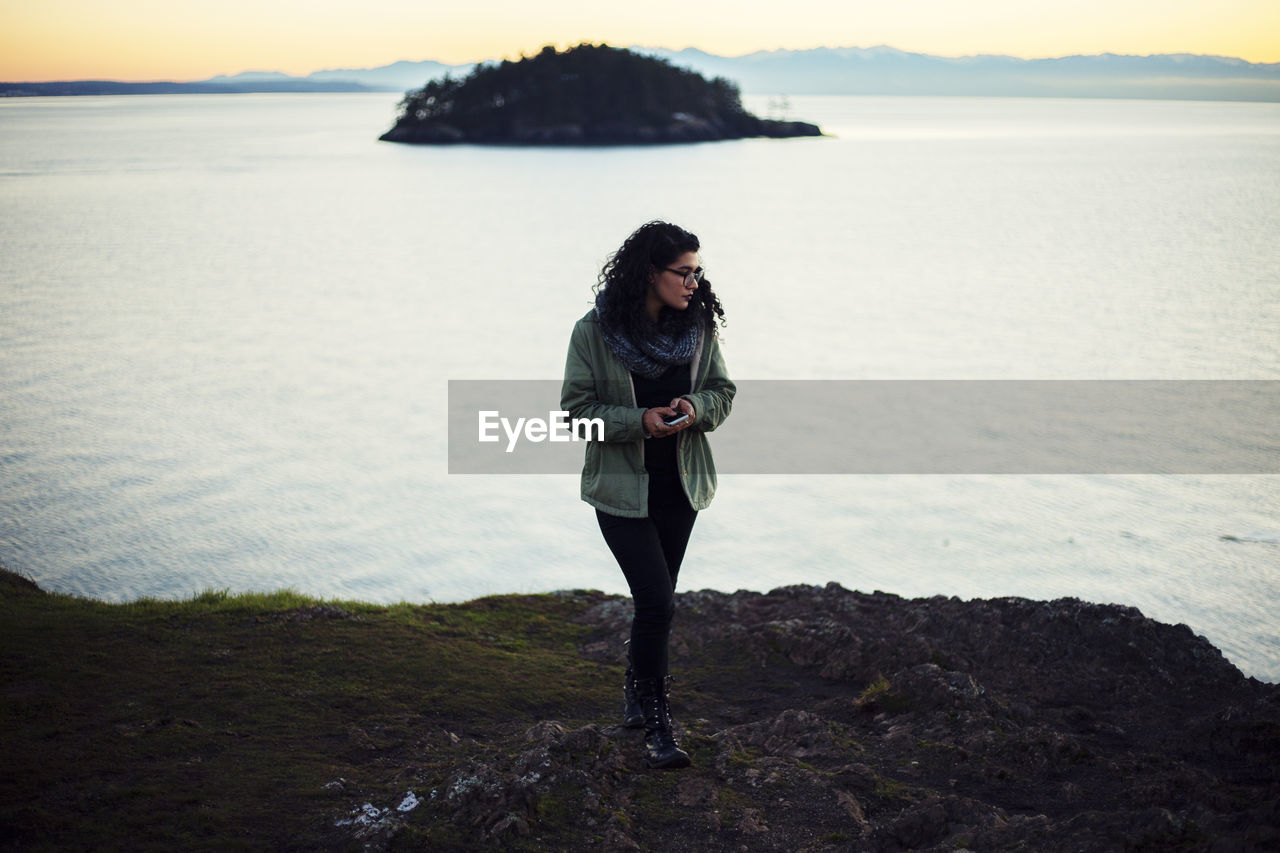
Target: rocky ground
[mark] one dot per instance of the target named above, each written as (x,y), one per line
(824,719)
(817,719)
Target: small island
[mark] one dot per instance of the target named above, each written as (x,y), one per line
(586,95)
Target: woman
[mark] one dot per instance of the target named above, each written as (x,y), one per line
(646,360)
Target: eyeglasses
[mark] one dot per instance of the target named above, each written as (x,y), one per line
(691,279)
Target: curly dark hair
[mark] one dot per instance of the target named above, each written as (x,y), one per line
(624,281)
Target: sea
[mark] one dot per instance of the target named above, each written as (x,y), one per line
(228,326)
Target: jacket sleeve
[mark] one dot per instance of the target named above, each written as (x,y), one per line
(580,395)
(714,400)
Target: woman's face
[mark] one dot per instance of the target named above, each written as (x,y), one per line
(668,288)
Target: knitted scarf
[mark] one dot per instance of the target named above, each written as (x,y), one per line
(672,340)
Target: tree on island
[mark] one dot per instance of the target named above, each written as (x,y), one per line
(586,95)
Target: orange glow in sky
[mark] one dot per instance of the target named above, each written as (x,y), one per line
(194,39)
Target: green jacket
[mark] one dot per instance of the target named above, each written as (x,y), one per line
(598,385)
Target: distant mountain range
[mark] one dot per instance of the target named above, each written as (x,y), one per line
(828,71)
(888,71)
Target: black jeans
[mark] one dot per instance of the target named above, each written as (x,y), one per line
(650,550)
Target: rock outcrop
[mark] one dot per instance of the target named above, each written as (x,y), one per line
(824,719)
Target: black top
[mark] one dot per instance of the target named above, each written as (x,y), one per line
(660,453)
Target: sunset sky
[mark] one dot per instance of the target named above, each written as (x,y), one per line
(194,39)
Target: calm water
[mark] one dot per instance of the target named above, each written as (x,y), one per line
(227,324)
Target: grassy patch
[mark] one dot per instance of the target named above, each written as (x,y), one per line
(218,720)
(891,789)
(879,695)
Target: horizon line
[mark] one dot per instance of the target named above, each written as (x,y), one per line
(522,54)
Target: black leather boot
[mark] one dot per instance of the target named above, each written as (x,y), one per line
(632,716)
(660,747)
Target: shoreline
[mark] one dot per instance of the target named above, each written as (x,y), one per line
(295,592)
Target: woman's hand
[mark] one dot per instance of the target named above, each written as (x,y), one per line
(654,425)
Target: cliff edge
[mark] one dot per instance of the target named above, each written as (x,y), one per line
(818,718)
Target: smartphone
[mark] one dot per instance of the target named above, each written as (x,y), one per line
(672,420)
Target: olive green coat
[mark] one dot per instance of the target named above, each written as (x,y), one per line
(598,385)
